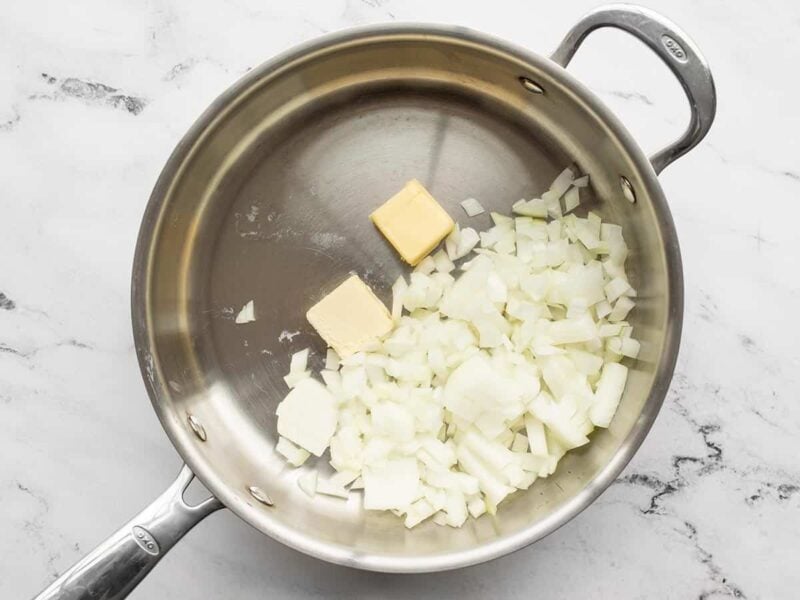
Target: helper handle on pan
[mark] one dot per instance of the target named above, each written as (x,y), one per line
(673,47)
(116,566)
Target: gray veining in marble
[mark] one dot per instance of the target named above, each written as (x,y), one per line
(94,96)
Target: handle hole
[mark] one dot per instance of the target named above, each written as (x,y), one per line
(195,493)
(635,84)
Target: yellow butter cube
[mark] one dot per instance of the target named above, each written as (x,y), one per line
(413,222)
(350,317)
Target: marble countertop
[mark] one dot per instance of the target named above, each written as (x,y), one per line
(93,99)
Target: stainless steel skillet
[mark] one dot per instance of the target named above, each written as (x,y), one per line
(267,197)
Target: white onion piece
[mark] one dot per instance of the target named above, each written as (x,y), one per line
(399,288)
(392,484)
(559,421)
(602,309)
(331,360)
(246,315)
(455,508)
(292,379)
(581,181)
(490,484)
(294,456)
(297,368)
(562,182)
(520,443)
(476,507)
(571,199)
(299,361)
(468,239)
(531,208)
(442,262)
(608,394)
(536,435)
(451,242)
(426,266)
(551,199)
(460,242)
(472,207)
(307,416)
(621,309)
(616,288)
(440,519)
(418,512)
(624,346)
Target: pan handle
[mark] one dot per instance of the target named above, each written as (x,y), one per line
(675,48)
(116,566)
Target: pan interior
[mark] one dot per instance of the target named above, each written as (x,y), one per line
(267,199)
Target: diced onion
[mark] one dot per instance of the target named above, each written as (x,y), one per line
(571,199)
(246,315)
(294,456)
(398,290)
(562,182)
(581,181)
(608,394)
(472,207)
(495,367)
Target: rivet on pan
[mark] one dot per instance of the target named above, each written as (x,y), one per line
(627,189)
(260,495)
(197,427)
(531,85)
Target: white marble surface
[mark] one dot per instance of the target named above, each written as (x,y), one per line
(707,509)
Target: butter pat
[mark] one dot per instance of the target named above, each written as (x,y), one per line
(350,317)
(413,222)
